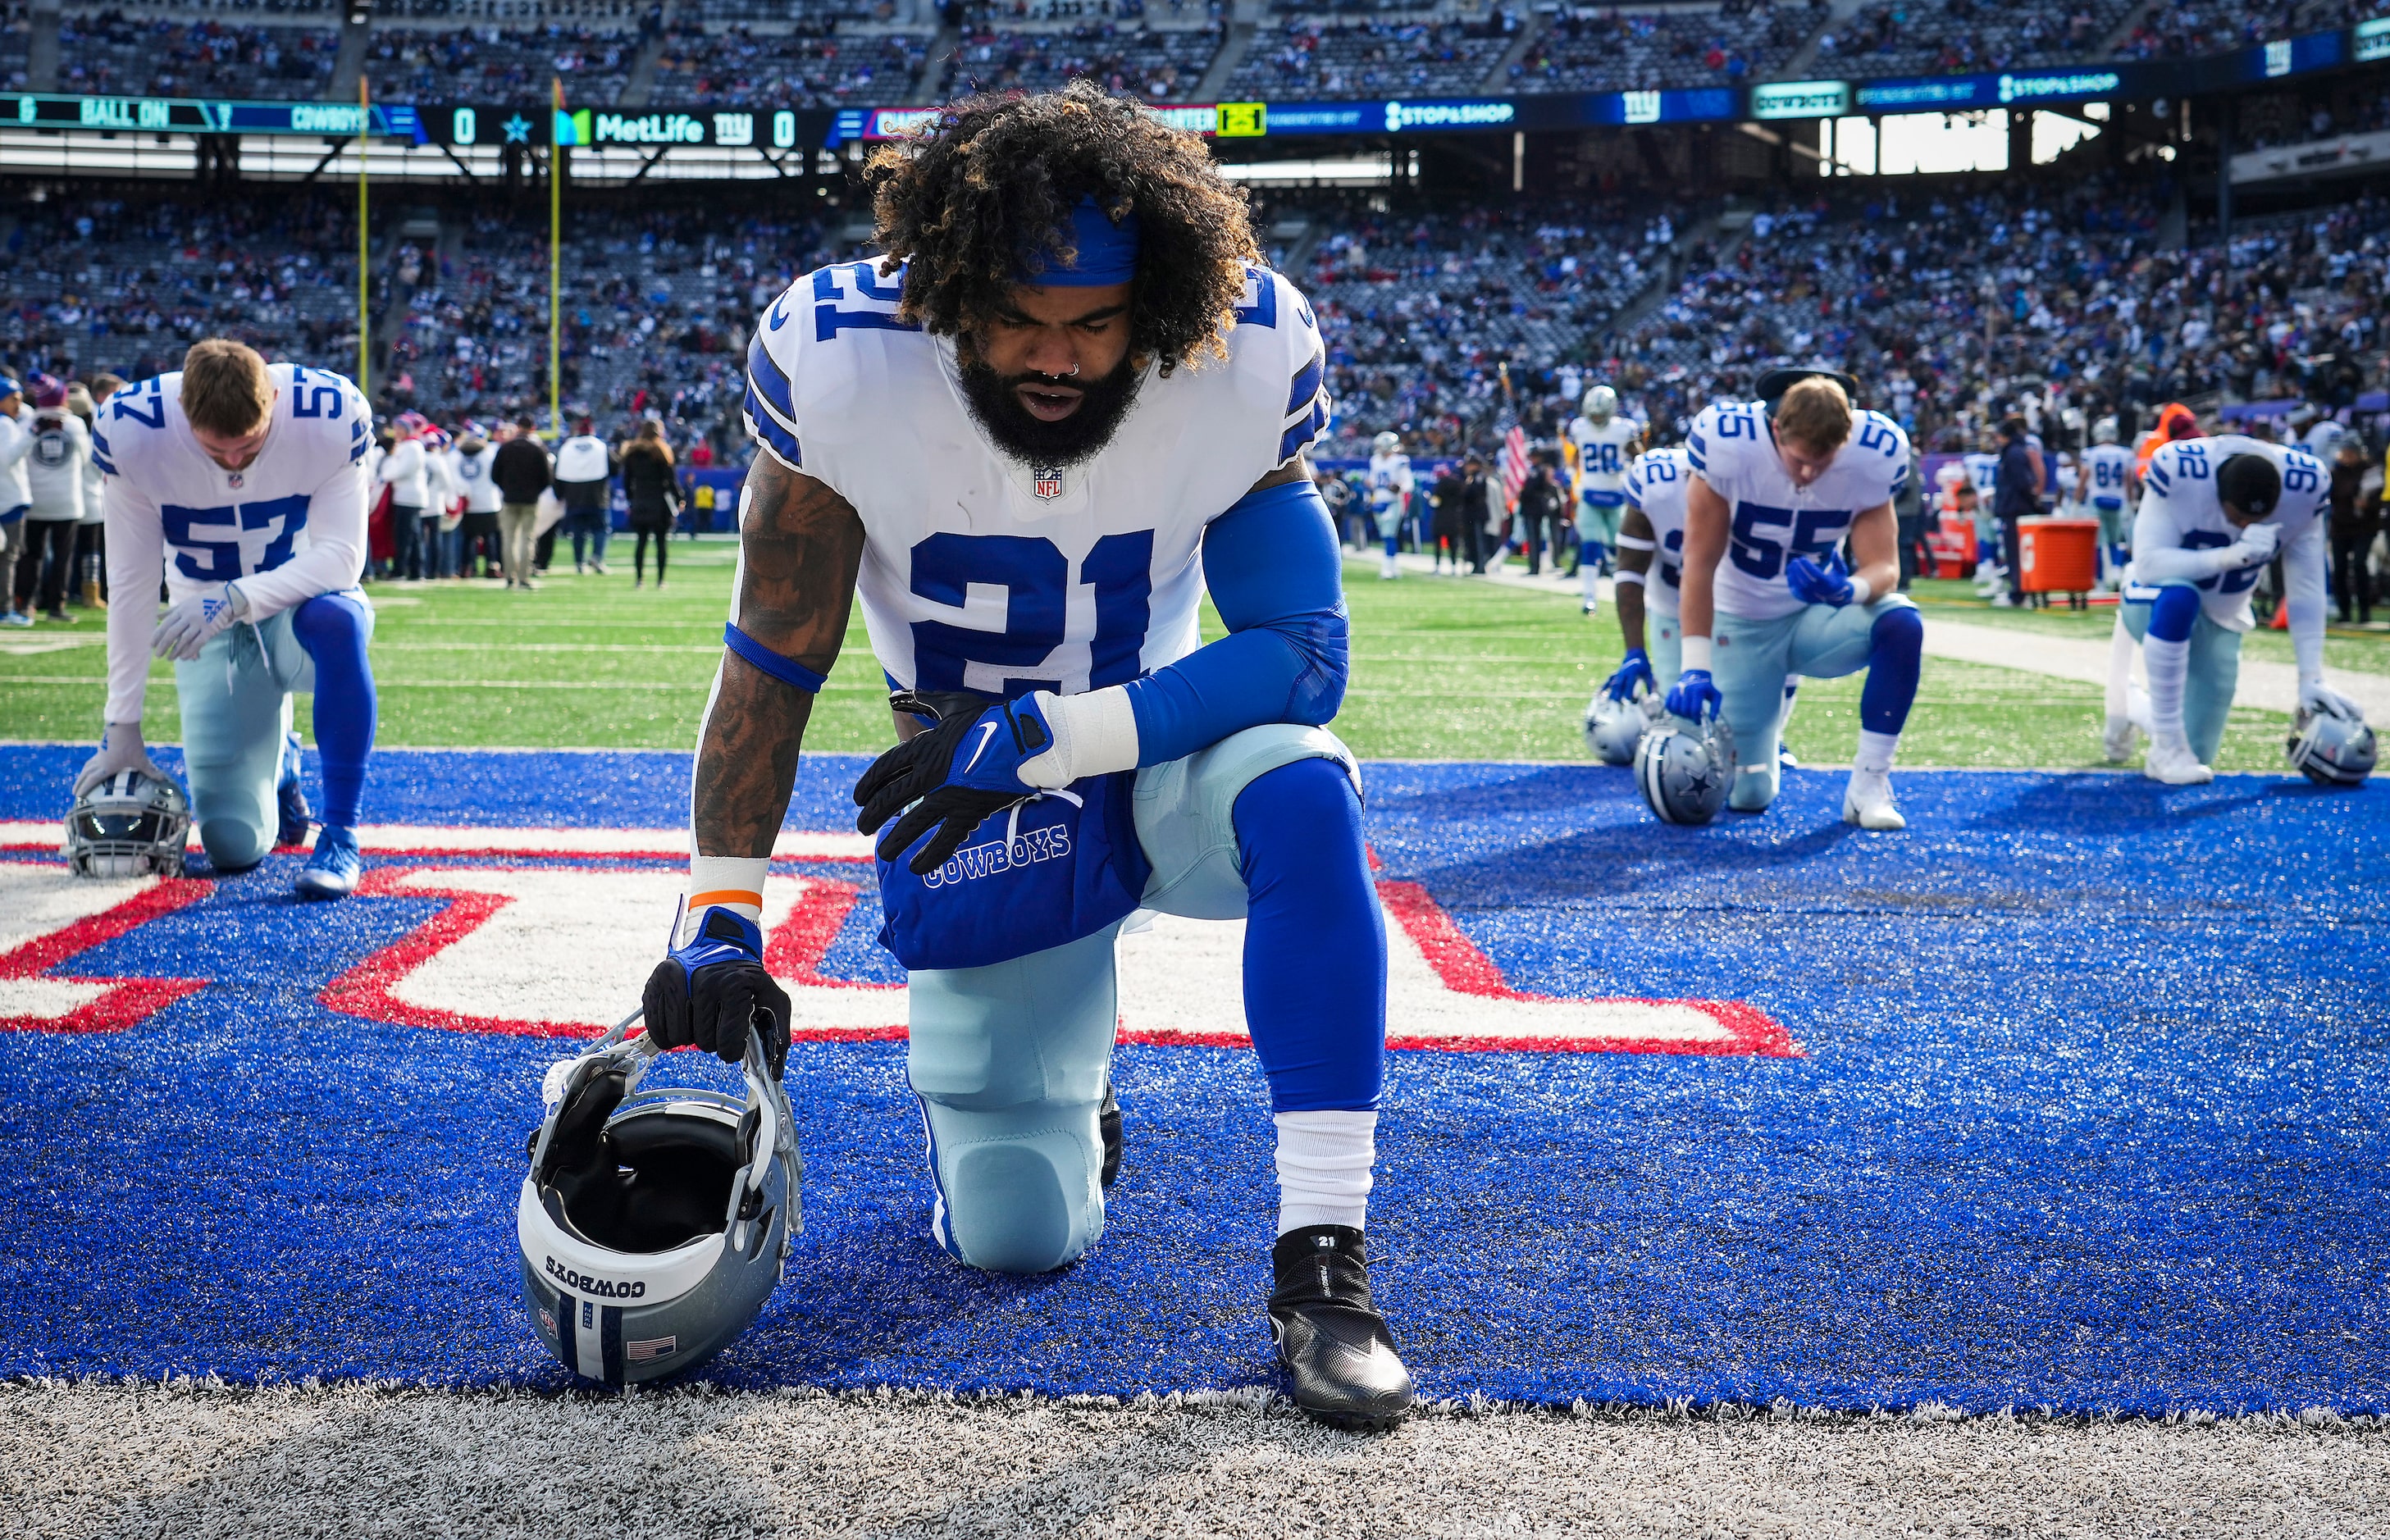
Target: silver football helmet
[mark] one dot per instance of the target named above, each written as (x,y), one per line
(1613,728)
(1685,769)
(654,1223)
(2328,749)
(1387,442)
(130,825)
(1600,405)
(2104,431)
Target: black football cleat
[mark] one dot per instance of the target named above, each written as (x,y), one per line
(1331,1337)
(1108,1120)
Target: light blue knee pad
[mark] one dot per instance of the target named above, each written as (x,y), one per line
(1752,660)
(1009,1062)
(235,704)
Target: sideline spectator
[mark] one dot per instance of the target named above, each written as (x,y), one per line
(584,473)
(410,493)
(470,467)
(2355,520)
(53,476)
(1540,508)
(1909,510)
(16,442)
(2015,496)
(1449,495)
(650,487)
(522,471)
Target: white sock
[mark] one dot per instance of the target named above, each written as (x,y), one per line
(1323,1168)
(2168,664)
(1591,572)
(2120,671)
(1875,751)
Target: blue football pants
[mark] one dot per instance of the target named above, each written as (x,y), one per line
(1010,1061)
(236,705)
(2213,672)
(1750,660)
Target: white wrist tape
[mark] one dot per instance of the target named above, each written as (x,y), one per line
(1094,734)
(1860,592)
(733,883)
(1694,653)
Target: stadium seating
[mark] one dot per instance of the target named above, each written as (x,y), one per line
(1591,50)
(1894,39)
(808,67)
(499,64)
(15,29)
(120,53)
(1431,55)
(1134,58)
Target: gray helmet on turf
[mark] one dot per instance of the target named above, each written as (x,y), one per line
(2328,749)
(653,1223)
(1615,728)
(132,824)
(1684,769)
(1600,405)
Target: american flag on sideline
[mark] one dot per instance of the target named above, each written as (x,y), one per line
(1514,464)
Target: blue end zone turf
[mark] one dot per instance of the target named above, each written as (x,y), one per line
(2089,1112)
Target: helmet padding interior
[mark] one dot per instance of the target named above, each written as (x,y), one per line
(648,1183)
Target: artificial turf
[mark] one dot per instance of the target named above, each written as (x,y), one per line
(1443,668)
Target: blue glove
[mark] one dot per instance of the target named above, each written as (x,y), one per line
(1695,695)
(1636,671)
(1813,584)
(953,774)
(708,991)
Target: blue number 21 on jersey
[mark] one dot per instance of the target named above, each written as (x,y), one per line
(1036,580)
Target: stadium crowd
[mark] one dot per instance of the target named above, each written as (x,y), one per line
(1584,48)
(119,53)
(814,64)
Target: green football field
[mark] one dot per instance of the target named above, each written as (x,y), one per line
(1443,668)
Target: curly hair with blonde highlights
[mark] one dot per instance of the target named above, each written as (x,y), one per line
(990,185)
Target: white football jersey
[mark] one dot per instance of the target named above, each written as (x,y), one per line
(2180,512)
(982,572)
(1601,460)
(2108,476)
(1389,478)
(1983,475)
(289,526)
(1733,446)
(1656,485)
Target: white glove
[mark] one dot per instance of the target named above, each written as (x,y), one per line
(190,623)
(119,749)
(2319,699)
(2255,549)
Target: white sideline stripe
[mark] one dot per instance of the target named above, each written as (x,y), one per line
(405,839)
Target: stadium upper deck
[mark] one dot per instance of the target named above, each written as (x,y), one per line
(825,53)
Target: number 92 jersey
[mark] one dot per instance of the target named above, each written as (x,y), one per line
(1656,485)
(984,573)
(2181,512)
(1733,446)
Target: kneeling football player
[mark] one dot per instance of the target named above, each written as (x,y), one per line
(2213,513)
(1776,486)
(244,483)
(1067,403)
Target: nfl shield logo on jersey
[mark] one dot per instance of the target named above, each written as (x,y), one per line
(1047,481)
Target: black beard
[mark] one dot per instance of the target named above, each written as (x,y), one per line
(1102,404)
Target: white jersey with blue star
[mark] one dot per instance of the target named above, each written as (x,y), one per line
(2180,514)
(985,573)
(1602,458)
(2107,477)
(288,526)
(1732,447)
(1656,485)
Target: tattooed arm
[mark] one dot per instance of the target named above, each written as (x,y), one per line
(799,546)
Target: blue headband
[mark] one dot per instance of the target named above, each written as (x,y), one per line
(1107,252)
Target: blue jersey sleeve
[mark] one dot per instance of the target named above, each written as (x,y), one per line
(1275,574)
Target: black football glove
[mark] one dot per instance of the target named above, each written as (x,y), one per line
(706,993)
(920,772)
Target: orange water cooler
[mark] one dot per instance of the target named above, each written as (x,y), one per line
(2058,556)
